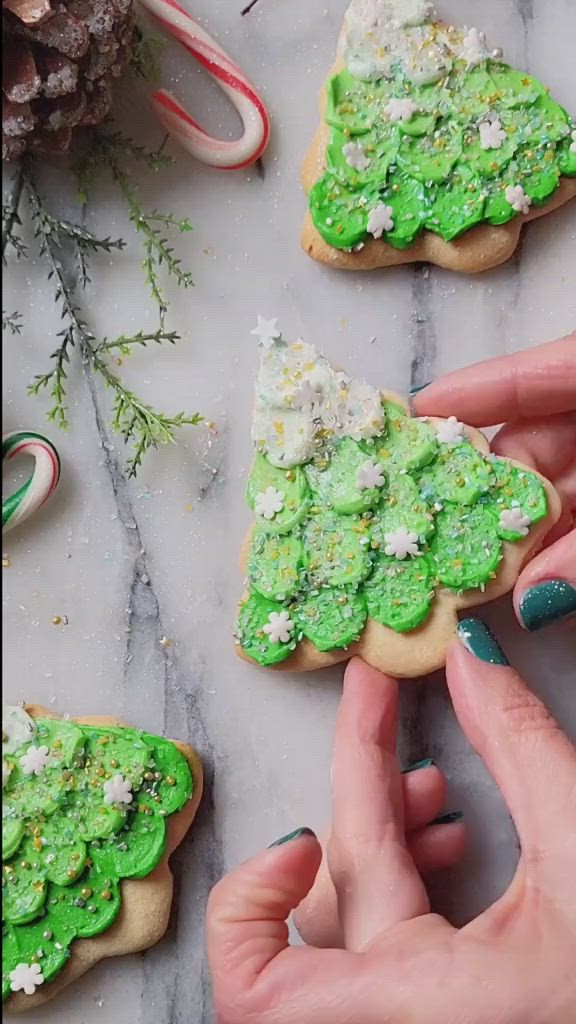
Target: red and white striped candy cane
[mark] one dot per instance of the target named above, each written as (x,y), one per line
(228,156)
(31,496)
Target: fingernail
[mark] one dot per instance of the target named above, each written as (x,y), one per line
(449,819)
(420,387)
(418,765)
(480,642)
(293,835)
(547,602)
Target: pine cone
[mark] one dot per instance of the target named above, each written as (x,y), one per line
(59,61)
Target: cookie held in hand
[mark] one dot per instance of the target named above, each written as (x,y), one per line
(92,810)
(430,146)
(373,529)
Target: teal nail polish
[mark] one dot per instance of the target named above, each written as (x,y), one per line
(547,602)
(293,835)
(414,391)
(449,819)
(418,765)
(478,639)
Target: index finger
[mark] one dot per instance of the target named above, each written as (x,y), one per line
(538,382)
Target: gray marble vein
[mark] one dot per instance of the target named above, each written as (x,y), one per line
(145,571)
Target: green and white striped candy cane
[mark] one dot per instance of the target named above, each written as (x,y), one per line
(35,492)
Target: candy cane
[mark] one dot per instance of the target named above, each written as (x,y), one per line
(225,155)
(32,495)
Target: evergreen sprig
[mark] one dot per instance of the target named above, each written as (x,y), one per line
(138,423)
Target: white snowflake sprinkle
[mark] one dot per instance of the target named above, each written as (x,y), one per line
(513,519)
(450,431)
(474,49)
(279,627)
(401,543)
(369,475)
(266,331)
(268,503)
(519,201)
(117,790)
(26,978)
(35,760)
(380,220)
(573,146)
(400,110)
(492,134)
(306,395)
(355,156)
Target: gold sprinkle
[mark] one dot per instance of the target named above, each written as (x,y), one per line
(114,763)
(87,893)
(170,780)
(37,843)
(56,620)
(6,563)
(25,864)
(57,744)
(165,641)
(38,886)
(71,873)
(106,894)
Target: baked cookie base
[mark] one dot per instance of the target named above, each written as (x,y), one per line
(478,249)
(146,902)
(424,650)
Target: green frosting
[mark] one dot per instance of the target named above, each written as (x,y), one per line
(290,483)
(431,169)
(331,618)
(399,594)
(333,479)
(65,849)
(275,564)
(332,570)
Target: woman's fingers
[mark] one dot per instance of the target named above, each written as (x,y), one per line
(256,975)
(546,589)
(537,382)
(432,849)
(376,881)
(531,759)
(547,443)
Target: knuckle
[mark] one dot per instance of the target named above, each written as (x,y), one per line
(526,715)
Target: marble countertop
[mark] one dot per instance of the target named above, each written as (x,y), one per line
(132,562)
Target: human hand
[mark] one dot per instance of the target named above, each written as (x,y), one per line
(400,963)
(534,394)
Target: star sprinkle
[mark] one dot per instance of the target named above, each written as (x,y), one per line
(450,431)
(474,47)
(401,543)
(519,201)
(573,146)
(400,110)
(355,156)
(268,503)
(492,134)
(380,220)
(26,978)
(513,519)
(279,627)
(266,331)
(306,395)
(35,761)
(117,790)
(369,475)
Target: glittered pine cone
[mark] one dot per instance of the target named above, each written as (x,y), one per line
(60,58)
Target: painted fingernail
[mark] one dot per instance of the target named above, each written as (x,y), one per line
(481,642)
(454,818)
(547,602)
(418,765)
(419,387)
(293,835)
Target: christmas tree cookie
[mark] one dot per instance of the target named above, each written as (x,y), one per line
(372,529)
(430,147)
(91,811)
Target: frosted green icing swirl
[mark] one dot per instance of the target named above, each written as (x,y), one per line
(431,169)
(64,848)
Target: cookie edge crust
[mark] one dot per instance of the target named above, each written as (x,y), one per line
(146,902)
(422,650)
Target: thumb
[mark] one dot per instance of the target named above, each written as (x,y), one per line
(531,759)
(546,590)
(247,910)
